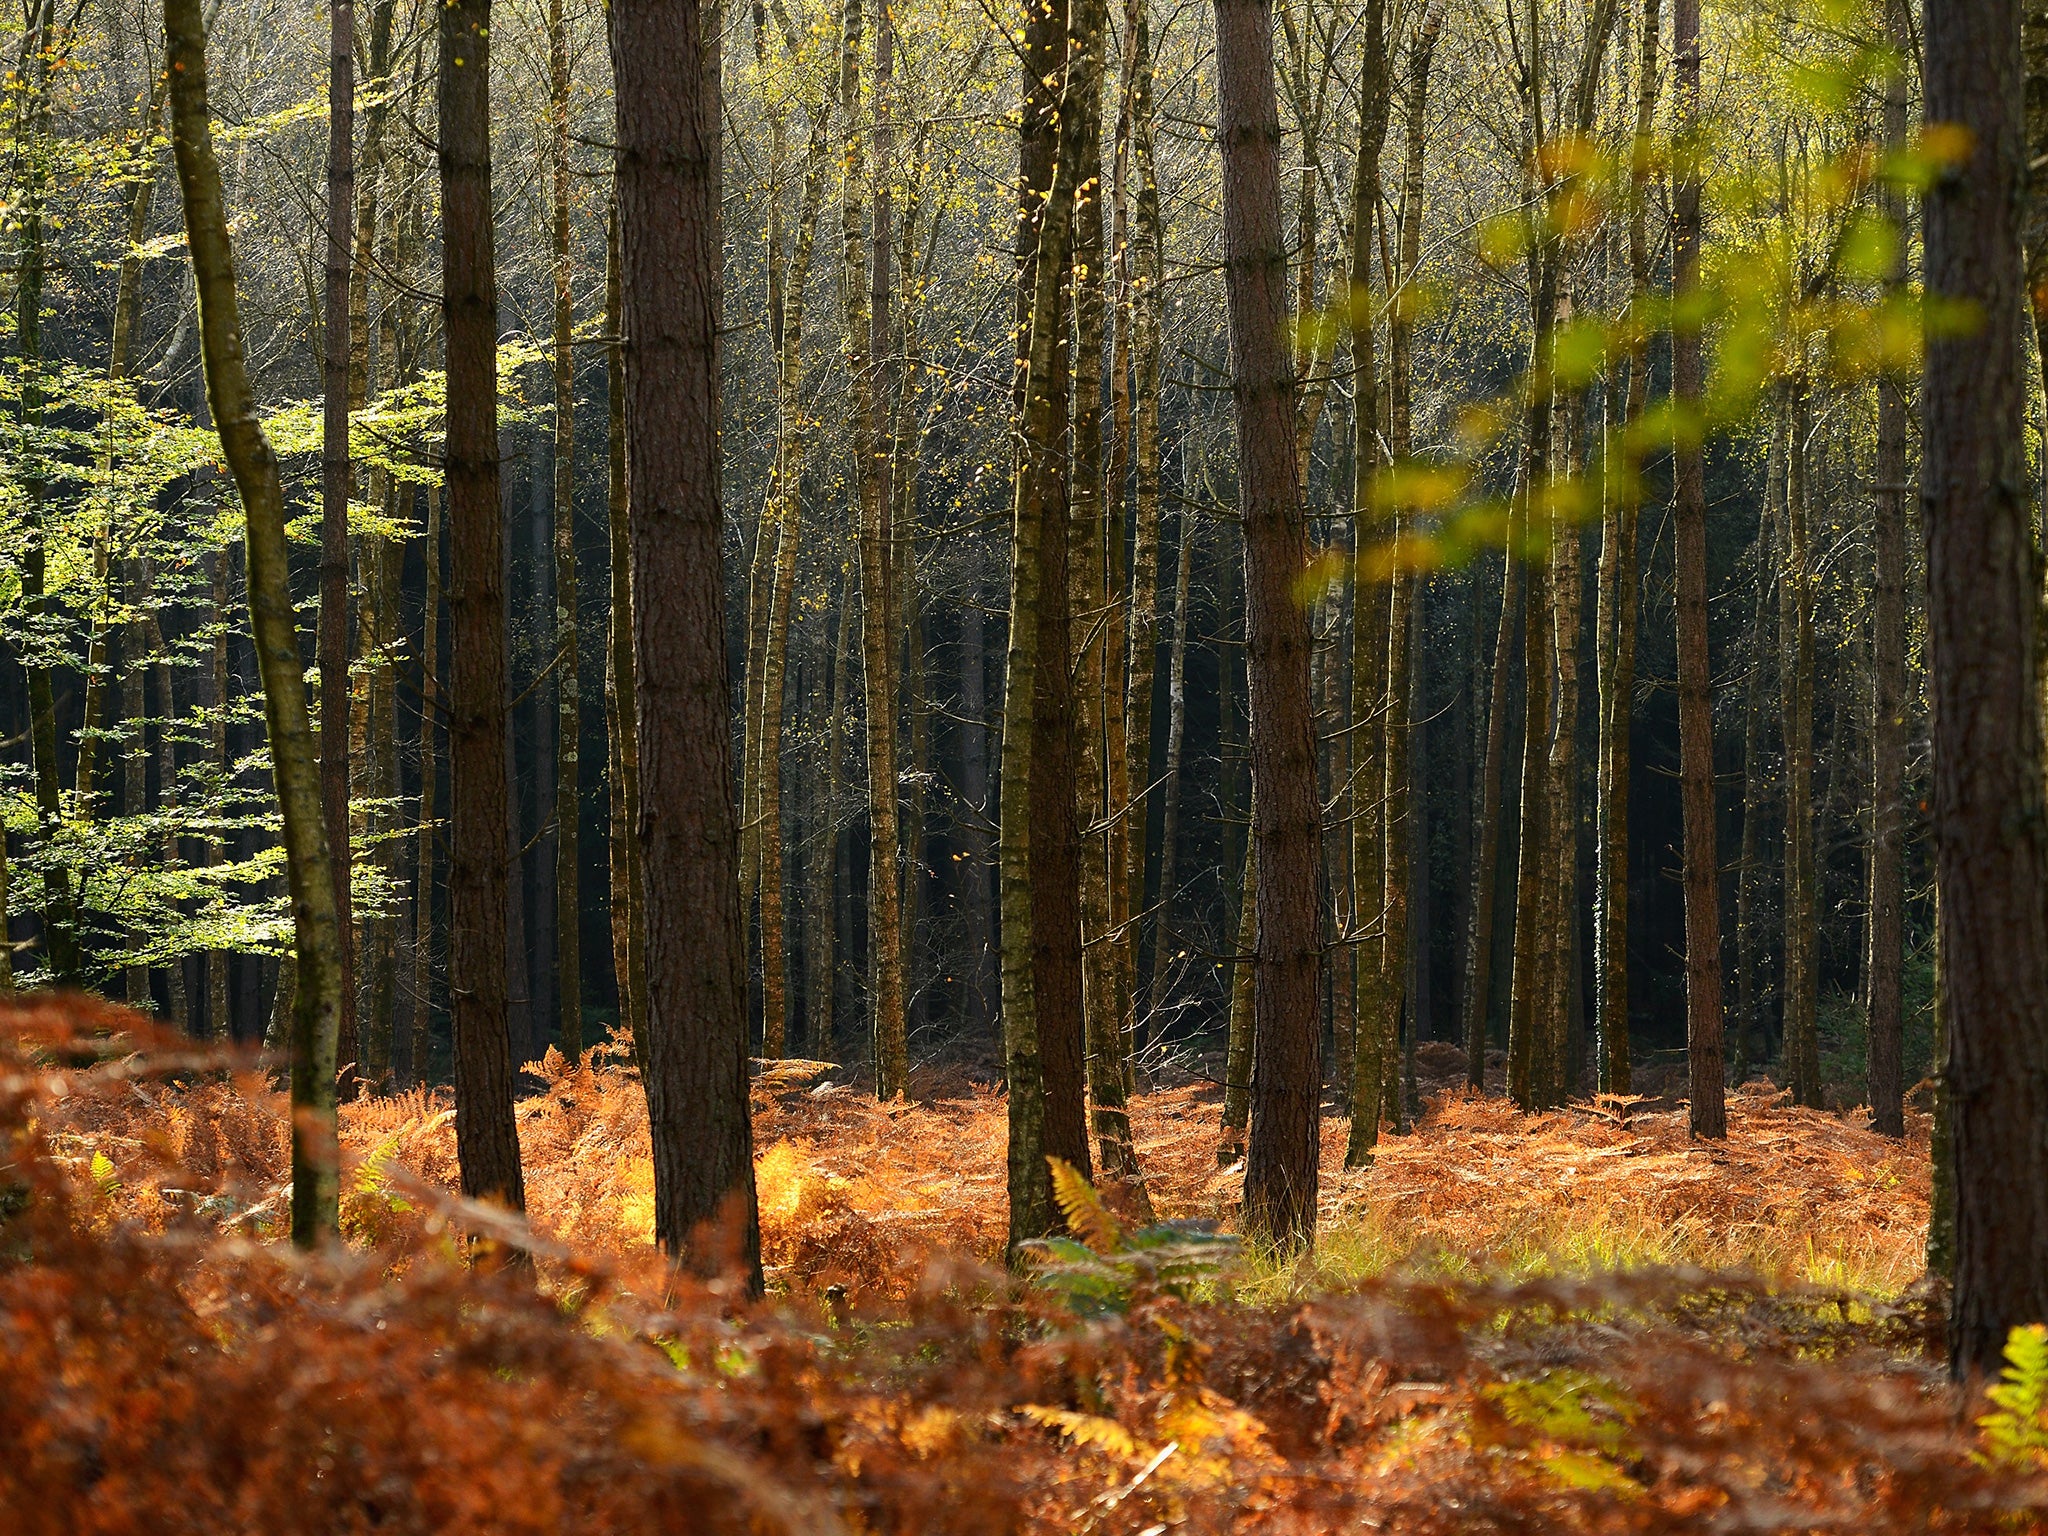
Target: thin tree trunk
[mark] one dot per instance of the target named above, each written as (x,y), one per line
(487,1140)
(868,297)
(1145,251)
(791,425)
(1749,872)
(1486,865)
(1884,1024)
(1371,614)
(1702,876)
(1282,1150)
(316,1014)
(41,47)
(335,478)
(1616,623)
(568,695)
(432,709)
(1176,734)
(1795,698)
(622,704)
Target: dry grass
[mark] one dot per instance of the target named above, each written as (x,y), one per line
(861,1194)
(161,1373)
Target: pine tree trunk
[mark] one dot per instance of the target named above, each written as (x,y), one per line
(433,706)
(1283,1145)
(335,475)
(1041,981)
(1087,559)
(1709,1116)
(487,1140)
(1795,695)
(568,694)
(791,426)
(1749,872)
(40,47)
(622,704)
(668,190)
(1176,733)
(1616,623)
(1884,1024)
(316,1013)
(1486,865)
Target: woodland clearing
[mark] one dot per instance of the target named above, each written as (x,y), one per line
(174,1366)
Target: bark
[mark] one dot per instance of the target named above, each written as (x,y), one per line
(432,710)
(1703,1023)
(1371,614)
(664,58)
(1237,1049)
(40,47)
(1749,872)
(1795,701)
(1144,253)
(335,475)
(1281,1153)
(1176,734)
(622,704)
(568,695)
(1616,623)
(1104,998)
(487,1140)
(1983,578)
(1884,1023)
(180,1014)
(1041,991)
(786,484)
(217,1025)
(135,757)
(316,1013)
(1486,863)
(877,588)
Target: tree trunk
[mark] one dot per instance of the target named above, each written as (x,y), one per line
(316,1013)
(433,707)
(335,478)
(1884,1024)
(668,181)
(1287,1073)
(40,48)
(487,1140)
(1088,555)
(1795,702)
(1703,1023)
(1486,865)
(1041,981)
(1991,836)
(1370,616)
(568,695)
(622,704)
(1176,734)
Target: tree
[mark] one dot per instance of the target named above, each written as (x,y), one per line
(1287,1071)
(316,1010)
(486,1138)
(667,169)
(336,482)
(1983,622)
(1703,1023)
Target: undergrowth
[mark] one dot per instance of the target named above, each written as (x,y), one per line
(169,1366)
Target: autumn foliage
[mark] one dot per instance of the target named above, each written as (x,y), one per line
(169,1365)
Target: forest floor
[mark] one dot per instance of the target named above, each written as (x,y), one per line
(1571,1321)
